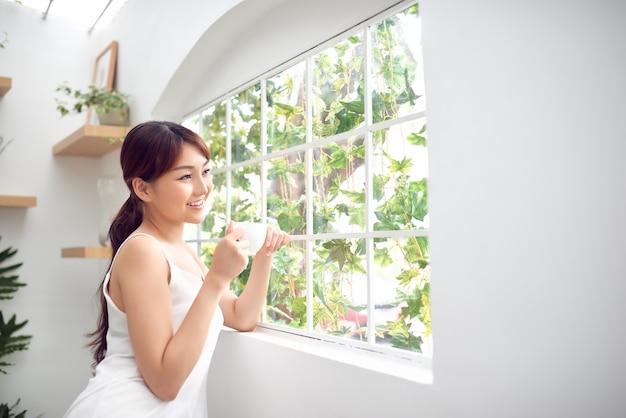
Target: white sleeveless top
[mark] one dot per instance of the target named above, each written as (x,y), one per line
(117,388)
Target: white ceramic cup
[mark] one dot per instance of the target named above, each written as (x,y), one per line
(255,233)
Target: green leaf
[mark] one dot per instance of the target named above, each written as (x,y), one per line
(408,342)
(357,106)
(386,221)
(8,284)
(7,253)
(357,216)
(339,251)
(356,197)
(288,222)
(8,342)
(10,412)
(407,275)
(401,336)
(415,139)
(401,166)
(338,157)
(382,257)
(380,180)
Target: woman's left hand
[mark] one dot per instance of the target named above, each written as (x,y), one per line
(274,239)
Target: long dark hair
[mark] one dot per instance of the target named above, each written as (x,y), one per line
(149,150)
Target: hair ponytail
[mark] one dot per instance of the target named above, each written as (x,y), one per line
(125,222)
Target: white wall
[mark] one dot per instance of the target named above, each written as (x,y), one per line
(527,152)
(57,299)
(525,108)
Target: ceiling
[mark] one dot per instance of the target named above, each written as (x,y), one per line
(92,14)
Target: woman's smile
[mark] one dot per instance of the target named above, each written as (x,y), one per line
(198,204)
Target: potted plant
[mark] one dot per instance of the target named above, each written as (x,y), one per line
(9,342)
(110,105)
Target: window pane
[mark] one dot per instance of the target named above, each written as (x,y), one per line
(337,102)
(246,193)
(214,224)
(285,108)
(339,187)
(286,192)
(192,123)
(190,233)
(340,288)
(401,292)
(214,133)
(398,86)
(286,298)
(207,251)
(400,170)
(348,258)
(246,124)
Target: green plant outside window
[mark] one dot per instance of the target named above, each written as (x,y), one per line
(333,150)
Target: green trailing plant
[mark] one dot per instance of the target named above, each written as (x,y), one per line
(9,342)
(4,41)
(103,100)
(337,195)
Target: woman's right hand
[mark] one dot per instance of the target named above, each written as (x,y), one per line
(230,257)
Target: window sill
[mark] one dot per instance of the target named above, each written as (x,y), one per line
(418,370)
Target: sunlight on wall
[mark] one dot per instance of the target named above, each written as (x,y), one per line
(85,13)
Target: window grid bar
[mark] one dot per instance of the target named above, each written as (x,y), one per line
(362,130)
(263,151)
(228,163)
(369,218)
(398,233)
(263,165)
(199,229)
(308,73)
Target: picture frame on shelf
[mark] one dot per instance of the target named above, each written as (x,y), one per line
(104,74)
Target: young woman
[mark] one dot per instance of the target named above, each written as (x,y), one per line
(162,309)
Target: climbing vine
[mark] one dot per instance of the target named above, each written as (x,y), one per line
(354,197)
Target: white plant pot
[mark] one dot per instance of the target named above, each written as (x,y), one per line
(113,118)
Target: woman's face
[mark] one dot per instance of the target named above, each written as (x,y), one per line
(180,194)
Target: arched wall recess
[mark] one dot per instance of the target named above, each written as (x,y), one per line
(252,38)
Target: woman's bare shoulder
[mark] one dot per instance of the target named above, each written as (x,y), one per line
(139,264)
(141,253)
(139,243)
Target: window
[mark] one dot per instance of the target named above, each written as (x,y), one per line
(332,148)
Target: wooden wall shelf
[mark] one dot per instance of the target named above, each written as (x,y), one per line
(5,85)
(86,252)
(17,201)
(91,141)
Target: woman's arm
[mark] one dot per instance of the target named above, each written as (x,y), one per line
(242,313)
(141,271)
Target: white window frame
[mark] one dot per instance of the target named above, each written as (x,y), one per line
(401,363)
